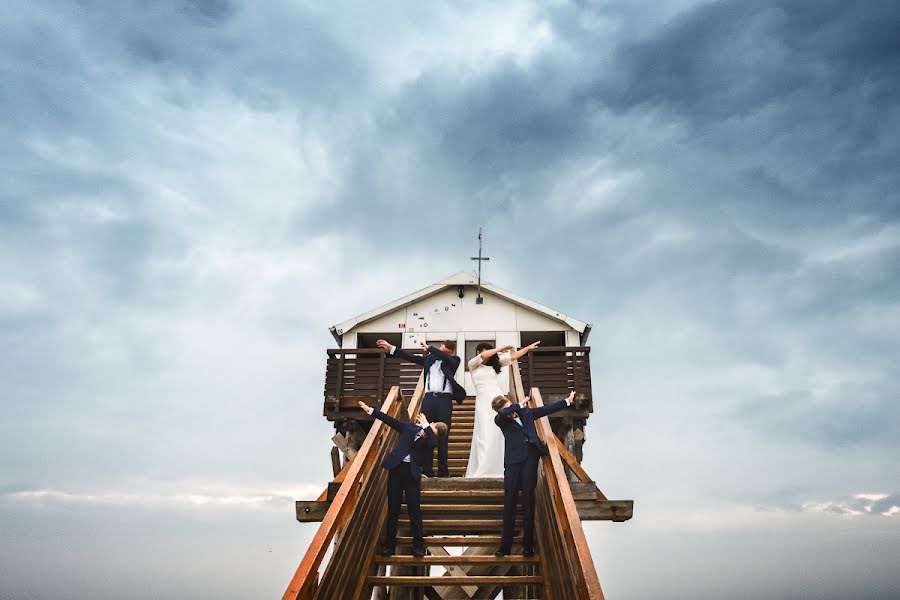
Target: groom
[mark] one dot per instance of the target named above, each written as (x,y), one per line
(522,453)
(440,365)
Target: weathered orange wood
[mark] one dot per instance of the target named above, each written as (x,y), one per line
(363,587)
(306,576)
(573,532)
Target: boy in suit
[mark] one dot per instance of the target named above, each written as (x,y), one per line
(404,465)
(440,365)
(523,449)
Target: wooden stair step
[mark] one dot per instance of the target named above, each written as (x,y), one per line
(462,483)
(497,580)
(482,521)
(456,560)
(456,509)
(457,540)
(462,495)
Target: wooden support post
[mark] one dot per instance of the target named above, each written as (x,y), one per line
(335,461)
(575,379)
(381,375)
(340,383)
(341,442)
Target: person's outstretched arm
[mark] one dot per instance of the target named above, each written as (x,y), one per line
(492,351)
(395,351)
(523,351)
(389,420)
(543,411)
(510,410)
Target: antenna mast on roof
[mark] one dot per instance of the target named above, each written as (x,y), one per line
(480,259)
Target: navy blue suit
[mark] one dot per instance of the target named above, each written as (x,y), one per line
(522,452)
(437,407)
(405,477)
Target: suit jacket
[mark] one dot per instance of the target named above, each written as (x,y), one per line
(517,437)
(449,365)
(418,448)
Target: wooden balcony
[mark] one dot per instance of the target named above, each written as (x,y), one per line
(356,374)
(557,370)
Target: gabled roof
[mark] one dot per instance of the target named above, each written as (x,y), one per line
(461,278)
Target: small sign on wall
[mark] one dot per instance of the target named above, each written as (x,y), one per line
(401,325)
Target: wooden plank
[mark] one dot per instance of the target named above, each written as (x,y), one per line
(353,498)
(446,559)
(307,572)
(340,380)
(407,580)
(458,540)
(617,511)
(573,532)
(335,461)
(311,511)
(454,571)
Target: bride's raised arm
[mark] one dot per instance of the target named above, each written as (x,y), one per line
(523,351)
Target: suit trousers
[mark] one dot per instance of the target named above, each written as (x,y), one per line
(438,407)
(519,478)
(401,481)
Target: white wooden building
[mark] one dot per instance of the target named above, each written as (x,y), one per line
(448,310)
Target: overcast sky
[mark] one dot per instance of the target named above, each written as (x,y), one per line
(191,192)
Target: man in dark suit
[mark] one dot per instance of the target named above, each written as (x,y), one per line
(404,465)
(523,449)
(440,365)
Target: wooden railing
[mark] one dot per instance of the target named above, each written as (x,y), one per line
(353,374)
(361,496)
(563,549)
(557,370)
(366,374)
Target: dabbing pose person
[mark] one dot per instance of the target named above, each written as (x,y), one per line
(522,451)
(404,465)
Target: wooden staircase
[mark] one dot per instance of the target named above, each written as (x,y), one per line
(462,521)
(460,439)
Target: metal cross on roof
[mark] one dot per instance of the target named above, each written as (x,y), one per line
(480,259)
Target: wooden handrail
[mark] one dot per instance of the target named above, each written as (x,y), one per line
(566,534)
(305,579)
(367,351)
(573,538)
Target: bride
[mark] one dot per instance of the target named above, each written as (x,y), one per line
(486,455)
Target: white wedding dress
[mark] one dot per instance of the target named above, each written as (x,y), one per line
(486,455)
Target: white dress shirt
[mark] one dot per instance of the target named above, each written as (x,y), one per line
(436,382)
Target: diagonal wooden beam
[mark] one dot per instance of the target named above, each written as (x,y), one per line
(573,464)
(456,571)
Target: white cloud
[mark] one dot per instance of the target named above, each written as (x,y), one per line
(855,505)
(173,496)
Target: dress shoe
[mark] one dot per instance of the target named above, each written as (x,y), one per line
(528,553)
(385,551)
(501,552)
(419,551)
